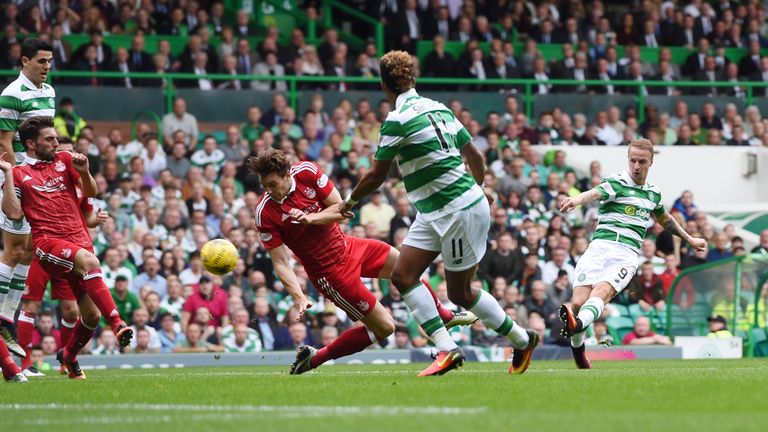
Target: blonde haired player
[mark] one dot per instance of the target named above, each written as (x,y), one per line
(627,204)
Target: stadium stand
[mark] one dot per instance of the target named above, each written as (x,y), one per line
(179,93)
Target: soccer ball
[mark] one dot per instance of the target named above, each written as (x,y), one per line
(219,256)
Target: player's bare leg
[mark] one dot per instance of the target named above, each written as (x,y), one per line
(14,267)
(81,335)
(486,307)
(406,277)
(450,319)
(87,266)
(378,325)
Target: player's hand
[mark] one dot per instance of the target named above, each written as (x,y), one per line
(346,210)
(5,166)
(569,204)
(302,305)
(101,216)
(489,195)
(300,217)
(80,162)
(699,244)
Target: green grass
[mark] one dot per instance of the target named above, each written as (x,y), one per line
(675,396)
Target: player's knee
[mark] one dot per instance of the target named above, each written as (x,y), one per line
(11,256)
(403,281)
(30,306)
(383,329)
(90,317)
(90,263)
(25,255)
(69,311)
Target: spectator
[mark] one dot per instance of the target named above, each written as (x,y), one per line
(379,213)
(264,323)
(127,302)
(106,343)
(209,154)
(560,292)
(538,302)
(270,67)
(718,328)
(192,341)
(642,334)
(209,296)
(167,333)
(505,260)
(652,296)
(152,277)
(718,250)
(180,120)
(552,268)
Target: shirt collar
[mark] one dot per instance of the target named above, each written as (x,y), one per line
(29,84)
(30,161)
(404,97)
(631,181)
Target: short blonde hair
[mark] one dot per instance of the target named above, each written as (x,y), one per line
(398,71)
(642,144)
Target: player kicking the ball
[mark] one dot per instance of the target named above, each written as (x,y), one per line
(43,189)
(627,203)
(300,210)
(453,214)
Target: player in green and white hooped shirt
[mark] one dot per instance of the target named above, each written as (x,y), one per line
(453,212)
(627,204)
(27,96)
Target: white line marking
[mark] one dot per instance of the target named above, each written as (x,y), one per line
(318,410)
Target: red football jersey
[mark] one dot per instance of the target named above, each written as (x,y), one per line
(49,199)
(318,247)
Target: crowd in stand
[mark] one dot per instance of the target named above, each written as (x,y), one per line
(167,195)
(591,34)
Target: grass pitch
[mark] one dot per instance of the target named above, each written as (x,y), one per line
(721,395)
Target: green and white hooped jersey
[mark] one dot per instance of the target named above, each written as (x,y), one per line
(626,209)
(22,100)
(426,138)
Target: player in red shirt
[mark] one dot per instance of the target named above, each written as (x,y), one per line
(43,189)
(299,210)
(60,288)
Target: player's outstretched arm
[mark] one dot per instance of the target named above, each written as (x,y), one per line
(11,204)
(571,203)
(6,145)
(288,278)
(370,182)
(329,215)
(670,225)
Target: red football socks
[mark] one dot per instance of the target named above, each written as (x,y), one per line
(67,330)
(25,330)
(6,362)
(81,335)
(102,298)
(351,341)
(445,313)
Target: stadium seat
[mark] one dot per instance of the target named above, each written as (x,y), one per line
(619,327)
(623,310)
(635,311)
(759,340)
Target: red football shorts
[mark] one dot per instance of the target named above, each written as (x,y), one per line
(57,258)
(341,284)
(38,279)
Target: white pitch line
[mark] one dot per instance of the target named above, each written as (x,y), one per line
(317,410)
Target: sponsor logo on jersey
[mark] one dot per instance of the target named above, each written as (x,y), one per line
(266,236)
(59,166)
(322,181)
(631,210)
(310,193)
